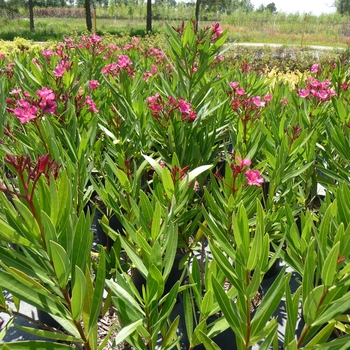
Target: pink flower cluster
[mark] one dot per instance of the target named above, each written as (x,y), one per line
(157,54)
(319,90)
(134,44)
(115,68)
(61,67)
(253,176)
(163,110)
(216,31)
(91,104)
(250,106)
(28,108)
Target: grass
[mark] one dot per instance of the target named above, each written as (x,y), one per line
(252,28)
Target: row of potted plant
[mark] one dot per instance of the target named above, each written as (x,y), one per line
(196,166)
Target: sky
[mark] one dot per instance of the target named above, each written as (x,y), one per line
(303,6)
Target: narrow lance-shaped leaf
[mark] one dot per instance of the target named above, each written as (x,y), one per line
(229,308)
(61,263)
(98,291)
(168,183)
(330,265)
(78,293)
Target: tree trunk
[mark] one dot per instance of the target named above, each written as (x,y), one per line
(88,15)
(149,16)
(198,2)
(31,15)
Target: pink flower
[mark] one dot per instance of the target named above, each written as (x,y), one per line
(15,91)
(303,93)
(216,31)
(184,107)
(257,101)
(46,93)
(47,102)
(240,91)
(124,61)
(60,69)
(234,84)
(243,162)
(314,68)
(92,106)
(25,112)
(345,86)
(267,97)
(47,54)
(253,177)
(109,68)
(93,84)
(95,39)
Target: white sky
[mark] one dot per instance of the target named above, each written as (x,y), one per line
(302,6)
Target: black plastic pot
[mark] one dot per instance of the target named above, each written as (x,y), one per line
(47,319)
(101,237)
(225,340)
(174,276)
(274,270)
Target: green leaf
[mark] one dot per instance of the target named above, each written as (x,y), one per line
(155,165)
(341,343)
(33,295)
(207,303)
(192,175)
(241,233)
(7,326)
(334,310)
(322,335)
(98,291)
(297,172)
(312,304)
(207,342)
(36,344)
(269,303)
(269,333)
(188,316)
(292,308)
(10,235)
(78,293)
(49,335)
(168,183)
(229,309)
(32,226)
(82,242)
(61,263)
(156,222)
(330,265)
(107,337)
(126,332)
(129,300)
(171,333)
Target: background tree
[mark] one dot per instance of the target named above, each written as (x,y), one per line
(342,6)
(31,15)
(149,16)
(88,15)
(271,7)
(246,5)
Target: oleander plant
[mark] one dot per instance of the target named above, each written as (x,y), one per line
(214,182)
